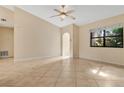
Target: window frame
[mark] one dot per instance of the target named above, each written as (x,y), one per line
(104,39)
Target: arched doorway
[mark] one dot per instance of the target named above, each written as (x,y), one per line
(66,45)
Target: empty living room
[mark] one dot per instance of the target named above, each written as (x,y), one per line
(61,46)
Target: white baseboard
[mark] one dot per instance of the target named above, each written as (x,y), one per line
(38,58)
(102,61)
(33,58)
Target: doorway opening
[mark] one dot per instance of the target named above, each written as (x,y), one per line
(6,42)
(66,45)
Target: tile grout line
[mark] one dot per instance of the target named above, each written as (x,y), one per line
(97,83)
(75,73)
(46,72)
(58,77)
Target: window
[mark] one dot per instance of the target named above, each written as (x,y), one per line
(111,37)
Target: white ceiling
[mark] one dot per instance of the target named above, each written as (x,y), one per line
(84,14)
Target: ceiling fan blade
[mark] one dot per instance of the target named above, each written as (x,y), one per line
(70,11)
(55,15)
(57,10)
(71,17)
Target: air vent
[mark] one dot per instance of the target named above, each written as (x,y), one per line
(3,54)
(3,19)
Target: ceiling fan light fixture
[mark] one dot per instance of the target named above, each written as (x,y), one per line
(63,16)
(64,12)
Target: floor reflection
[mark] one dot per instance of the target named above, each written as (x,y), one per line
(56,72)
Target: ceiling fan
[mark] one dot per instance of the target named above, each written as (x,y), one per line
(63,12)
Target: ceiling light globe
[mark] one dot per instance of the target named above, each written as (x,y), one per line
(62,16)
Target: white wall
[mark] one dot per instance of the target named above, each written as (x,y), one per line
(75,41)
(110,55)
(34,37)
(8,15)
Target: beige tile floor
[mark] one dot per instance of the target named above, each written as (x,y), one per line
(58,72)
